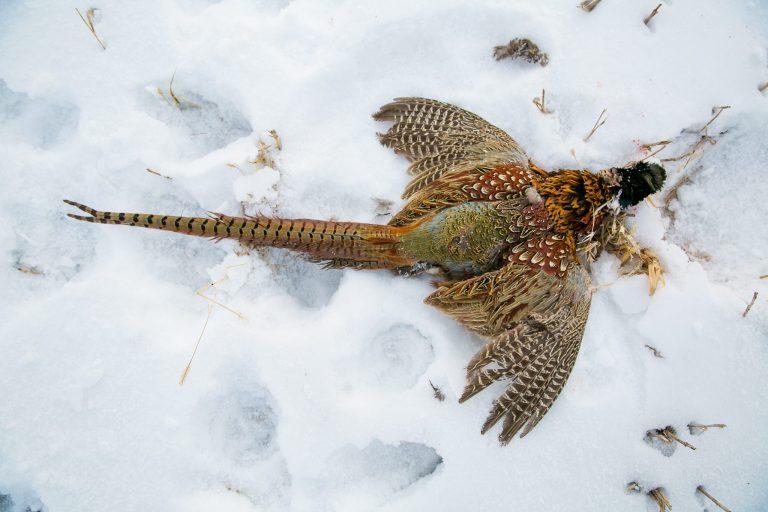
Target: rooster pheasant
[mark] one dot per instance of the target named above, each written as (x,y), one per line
(504,234)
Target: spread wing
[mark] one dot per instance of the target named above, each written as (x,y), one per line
(533,317)
(448,147)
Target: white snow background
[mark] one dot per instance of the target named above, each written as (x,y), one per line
(320,398)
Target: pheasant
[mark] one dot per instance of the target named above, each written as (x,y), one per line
(503,234)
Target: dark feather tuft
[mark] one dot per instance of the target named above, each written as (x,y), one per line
(639,181)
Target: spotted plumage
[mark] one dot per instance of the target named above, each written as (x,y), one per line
(503,233)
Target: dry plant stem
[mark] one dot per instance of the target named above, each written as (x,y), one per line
(650,16)
(88,20)
(176,100)
(24,269)
(667,435)
(648,147)
(696,149)
(588,5)
(655,352)
(263,156)
(764,276)
(693,152)
(687,445)
(762,87)
(633,487)
(201,293)
(187,368)
(661,499)
(278,141)
(714,500)
(693,427)
(158,174)
(212,302)
(749,306)
(658,143)
(600,122)
(716,111)
(652,267)
(539,102)
(233,166)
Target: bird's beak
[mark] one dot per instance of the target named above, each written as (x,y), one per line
(649,182)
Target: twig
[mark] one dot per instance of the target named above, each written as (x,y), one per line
(762,87)
(648,147)
(667,435)
(438,393)
(704,137)
(692,152)
(650,16)
(765,276)
(698,428)
(655,352)
(714,500)
(660,498)
(716,111)
(658,495)
(88,20)
(588,5)
(749,306)
(597,125)
(158,174)
(539,102)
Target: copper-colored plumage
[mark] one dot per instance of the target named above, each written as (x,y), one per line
(502,231)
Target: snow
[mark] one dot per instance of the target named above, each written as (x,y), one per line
(319,398)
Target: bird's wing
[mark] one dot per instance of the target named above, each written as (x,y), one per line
(533,317)
(441,139)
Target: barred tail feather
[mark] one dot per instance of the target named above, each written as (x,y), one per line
(341,244)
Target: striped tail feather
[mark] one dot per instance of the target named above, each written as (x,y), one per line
(339,244)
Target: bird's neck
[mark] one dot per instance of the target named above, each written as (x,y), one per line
(575,199)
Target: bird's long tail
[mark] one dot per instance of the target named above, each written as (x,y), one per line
(339,244)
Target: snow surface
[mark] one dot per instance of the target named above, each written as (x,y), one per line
(320,399)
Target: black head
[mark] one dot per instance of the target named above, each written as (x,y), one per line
(639,181)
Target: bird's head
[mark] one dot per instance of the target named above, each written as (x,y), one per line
(638,181)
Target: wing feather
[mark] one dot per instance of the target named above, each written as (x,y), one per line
(532,315)
(534,323)
(440,139)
